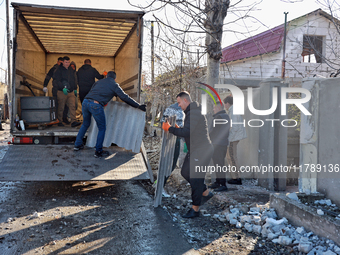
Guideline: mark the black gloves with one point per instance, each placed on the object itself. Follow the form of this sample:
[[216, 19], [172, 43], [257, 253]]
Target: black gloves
[[142, 107]]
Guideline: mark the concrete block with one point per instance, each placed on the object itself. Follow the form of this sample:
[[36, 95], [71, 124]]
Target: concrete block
[[305, 247], [233, 221], [271, 236], [238, 225], [248, 227], [285, 240], [293, 196], [302, 215], [257, 229]]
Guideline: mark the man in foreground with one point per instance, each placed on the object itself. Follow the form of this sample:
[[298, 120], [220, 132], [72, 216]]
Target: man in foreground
[[200, 151], [93, 105]]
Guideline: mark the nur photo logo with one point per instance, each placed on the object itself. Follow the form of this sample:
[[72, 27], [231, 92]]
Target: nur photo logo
[[239, 103]]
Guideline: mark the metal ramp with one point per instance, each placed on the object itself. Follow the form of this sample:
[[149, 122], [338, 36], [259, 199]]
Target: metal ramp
[[62, 163]]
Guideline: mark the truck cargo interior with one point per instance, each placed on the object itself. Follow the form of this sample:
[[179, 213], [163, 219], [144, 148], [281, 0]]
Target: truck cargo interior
[[111, 39]]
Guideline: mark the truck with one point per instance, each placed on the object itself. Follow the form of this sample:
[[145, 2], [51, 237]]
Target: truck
[[113, 40]]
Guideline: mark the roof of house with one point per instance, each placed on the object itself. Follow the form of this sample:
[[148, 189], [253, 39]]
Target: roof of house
[[265, 42]]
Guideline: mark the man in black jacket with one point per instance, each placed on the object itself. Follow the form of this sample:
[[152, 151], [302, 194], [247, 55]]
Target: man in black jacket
[[219, 137], [86, 78], [93, 105], [66, 81], [48, 77], [200, 151]]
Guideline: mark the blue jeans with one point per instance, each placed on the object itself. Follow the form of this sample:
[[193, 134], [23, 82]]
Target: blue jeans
[[89, 108]]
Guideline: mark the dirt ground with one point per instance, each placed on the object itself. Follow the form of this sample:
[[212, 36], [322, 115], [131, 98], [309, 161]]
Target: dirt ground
[[207, 234], [104, 217]]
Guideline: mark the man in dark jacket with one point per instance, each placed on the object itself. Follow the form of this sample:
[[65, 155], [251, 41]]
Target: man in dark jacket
[[219, 137], [93, 105], [66, 81], [86, 78], [48, 77], [200, 151]]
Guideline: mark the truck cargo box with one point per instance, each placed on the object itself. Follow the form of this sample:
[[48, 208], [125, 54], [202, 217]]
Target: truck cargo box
[[112, 39]]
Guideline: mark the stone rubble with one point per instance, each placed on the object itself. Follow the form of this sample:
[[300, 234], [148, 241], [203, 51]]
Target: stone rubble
[[264, 222]]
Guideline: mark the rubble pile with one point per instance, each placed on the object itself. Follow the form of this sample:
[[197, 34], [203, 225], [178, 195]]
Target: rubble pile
[[325, 206], [263, 221]]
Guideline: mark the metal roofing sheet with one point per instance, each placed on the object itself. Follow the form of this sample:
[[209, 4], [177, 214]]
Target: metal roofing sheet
[[165, 161], [266, 42], [124, 127], [79, 31]]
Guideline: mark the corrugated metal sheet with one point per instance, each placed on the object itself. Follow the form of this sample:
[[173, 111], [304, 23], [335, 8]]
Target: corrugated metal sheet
[[124, 127], [79, 31], [165, 161], [266, 42]]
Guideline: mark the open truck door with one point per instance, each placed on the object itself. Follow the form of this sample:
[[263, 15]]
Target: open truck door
[[113, 41]]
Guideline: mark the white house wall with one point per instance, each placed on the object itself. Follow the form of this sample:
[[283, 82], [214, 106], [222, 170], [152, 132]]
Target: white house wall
[[269, 65]]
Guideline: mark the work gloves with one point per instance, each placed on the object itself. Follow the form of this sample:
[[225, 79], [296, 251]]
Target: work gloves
[[166, 125], [75, 92], [45, 89], [65, 91], [142, 107]]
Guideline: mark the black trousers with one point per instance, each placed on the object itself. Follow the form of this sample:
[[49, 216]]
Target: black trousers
[[218, 159], [192, 163], [83, 93]]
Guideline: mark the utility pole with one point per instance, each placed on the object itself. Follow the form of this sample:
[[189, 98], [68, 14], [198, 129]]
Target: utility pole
[[284, 49], [8, 46], [152, 56]]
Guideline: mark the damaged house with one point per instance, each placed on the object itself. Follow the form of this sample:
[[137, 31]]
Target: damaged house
[[312, 49]]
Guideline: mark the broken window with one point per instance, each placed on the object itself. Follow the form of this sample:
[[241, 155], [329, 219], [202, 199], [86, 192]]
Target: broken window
[[312, 49]]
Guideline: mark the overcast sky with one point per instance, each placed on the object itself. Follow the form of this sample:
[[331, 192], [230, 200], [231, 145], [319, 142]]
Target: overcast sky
[[270, 13]]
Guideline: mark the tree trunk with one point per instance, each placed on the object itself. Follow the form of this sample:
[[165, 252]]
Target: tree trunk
[[216, 12]]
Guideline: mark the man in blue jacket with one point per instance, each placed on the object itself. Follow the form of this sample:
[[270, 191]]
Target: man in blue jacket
[[93, 105]]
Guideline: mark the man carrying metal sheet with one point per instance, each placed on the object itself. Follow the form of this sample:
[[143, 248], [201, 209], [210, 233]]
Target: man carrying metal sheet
[[93, 105], [200, 151]]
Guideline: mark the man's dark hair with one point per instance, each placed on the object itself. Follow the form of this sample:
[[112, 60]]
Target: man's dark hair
[[87, 61], [66, 58], [228, 99], [220, 103], [111, 74], [184, 94], [61, 58]]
